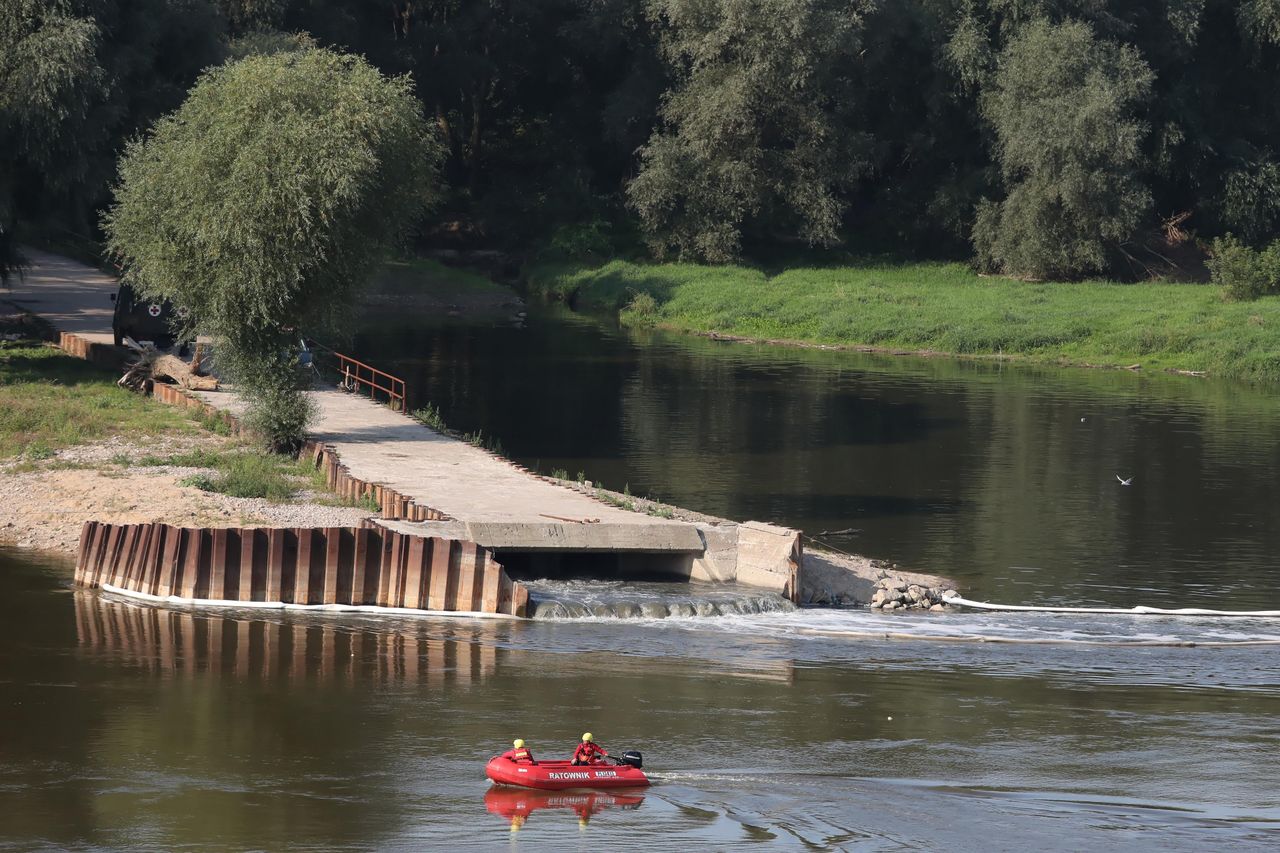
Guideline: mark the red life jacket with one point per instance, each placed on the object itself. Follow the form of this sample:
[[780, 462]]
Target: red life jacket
[[521, 755], [587, 751]]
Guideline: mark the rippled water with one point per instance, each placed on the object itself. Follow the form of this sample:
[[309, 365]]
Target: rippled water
[[617, 599], [134, 727]]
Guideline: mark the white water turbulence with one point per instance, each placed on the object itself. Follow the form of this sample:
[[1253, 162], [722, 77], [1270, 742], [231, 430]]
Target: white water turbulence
[[735, 609], [615, 599]]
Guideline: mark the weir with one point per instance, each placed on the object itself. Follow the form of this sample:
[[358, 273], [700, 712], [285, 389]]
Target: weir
[[434, 487]]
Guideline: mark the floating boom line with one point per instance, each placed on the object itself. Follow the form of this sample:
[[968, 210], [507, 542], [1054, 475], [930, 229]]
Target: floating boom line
[[1111, 611]]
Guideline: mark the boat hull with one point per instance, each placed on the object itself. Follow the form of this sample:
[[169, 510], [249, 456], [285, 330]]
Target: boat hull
[[563, 776]]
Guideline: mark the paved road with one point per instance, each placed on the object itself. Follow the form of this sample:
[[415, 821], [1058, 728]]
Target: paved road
[[497, 503], [73, 297]]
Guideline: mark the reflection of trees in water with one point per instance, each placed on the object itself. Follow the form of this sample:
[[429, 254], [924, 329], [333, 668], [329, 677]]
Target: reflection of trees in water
[[179, 643]]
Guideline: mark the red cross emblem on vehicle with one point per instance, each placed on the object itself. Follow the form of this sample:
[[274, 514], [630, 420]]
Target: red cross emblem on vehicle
[[153, 309]]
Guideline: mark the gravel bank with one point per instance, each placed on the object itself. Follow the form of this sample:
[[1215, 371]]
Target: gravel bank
[[44, 508]]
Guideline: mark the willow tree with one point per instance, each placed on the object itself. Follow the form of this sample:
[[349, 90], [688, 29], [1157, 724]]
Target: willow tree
[[1064, 106], [262, 205], [754, 133]]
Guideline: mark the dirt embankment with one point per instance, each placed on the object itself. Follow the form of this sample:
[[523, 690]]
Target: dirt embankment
[[44, 504]]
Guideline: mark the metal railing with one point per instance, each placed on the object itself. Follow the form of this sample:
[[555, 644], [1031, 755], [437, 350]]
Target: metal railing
[[357, 376]]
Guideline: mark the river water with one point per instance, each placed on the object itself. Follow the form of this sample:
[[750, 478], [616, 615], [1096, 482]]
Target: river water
[[129, 727]]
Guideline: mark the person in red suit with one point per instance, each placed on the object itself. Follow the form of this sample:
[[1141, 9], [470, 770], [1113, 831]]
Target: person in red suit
[[518, 753], [588, 752]]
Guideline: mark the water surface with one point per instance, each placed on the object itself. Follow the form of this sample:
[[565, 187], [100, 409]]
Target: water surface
[[1001, 476], [130, 727]]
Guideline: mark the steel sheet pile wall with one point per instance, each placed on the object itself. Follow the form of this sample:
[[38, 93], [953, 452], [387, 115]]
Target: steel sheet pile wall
[[332, 565], [391, 504]]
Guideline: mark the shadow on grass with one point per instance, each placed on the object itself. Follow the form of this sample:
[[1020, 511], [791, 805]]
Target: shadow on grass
[[33, 364]]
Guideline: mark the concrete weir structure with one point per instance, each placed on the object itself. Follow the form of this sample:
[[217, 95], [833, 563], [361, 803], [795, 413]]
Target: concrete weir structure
[[436, 487]]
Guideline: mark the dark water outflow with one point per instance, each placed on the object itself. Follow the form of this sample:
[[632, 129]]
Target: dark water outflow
[[1003, 477], [133, 727]]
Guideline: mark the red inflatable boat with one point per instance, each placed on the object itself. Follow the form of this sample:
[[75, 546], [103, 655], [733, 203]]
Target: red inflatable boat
[[561, 775]]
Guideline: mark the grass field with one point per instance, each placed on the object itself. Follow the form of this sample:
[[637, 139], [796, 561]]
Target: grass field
[[941, 308], [49, 400]]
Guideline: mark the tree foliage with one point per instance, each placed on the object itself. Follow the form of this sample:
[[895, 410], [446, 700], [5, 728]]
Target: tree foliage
[[261, 205], [718, 128], [1063, 106], [755, 131], [1245, 273]]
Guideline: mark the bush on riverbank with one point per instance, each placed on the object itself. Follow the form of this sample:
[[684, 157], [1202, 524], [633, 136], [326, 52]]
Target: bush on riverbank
[[943, 308]]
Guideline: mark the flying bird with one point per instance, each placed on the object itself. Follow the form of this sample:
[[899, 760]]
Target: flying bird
[[1123, 481]]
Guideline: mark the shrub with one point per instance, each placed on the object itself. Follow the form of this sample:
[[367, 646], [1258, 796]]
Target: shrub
[[581, 241], [643, 307], [279, 413], [1244, 273]]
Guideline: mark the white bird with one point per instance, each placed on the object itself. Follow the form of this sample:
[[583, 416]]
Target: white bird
[[1123, 481]]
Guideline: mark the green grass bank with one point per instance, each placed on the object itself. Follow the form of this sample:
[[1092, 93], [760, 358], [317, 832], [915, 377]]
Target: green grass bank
[[50, 400], [939, 308]]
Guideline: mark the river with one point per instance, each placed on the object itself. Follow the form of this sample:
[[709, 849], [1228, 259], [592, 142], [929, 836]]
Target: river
[[131, 727]]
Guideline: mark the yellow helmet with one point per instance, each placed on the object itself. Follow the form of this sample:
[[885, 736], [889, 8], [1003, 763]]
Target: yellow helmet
[[586, 738], [518, 743]]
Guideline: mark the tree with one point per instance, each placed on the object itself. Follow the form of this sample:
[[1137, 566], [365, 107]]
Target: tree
[[76, 78], [1063, 106], [49, 75], [753, 134], [261, 206]]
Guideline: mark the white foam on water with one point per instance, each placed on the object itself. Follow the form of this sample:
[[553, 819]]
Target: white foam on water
[[830, 624]]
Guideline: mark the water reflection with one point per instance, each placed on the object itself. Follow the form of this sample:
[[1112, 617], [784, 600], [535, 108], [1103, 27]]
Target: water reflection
[[180, 643], [516, 805]]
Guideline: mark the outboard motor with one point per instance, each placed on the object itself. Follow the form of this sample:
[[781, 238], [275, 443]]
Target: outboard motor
[[633, 758]]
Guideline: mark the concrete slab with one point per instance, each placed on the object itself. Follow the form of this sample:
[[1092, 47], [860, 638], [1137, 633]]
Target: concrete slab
[[498, 504]]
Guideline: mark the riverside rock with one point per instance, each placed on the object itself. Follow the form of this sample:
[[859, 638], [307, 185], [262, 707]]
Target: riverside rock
[[896, 594]]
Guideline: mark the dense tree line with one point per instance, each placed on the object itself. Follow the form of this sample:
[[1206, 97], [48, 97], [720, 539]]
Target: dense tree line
[[1049, 138]]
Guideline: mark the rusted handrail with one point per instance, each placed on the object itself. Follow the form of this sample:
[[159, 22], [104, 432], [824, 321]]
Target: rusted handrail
[[356, 374]]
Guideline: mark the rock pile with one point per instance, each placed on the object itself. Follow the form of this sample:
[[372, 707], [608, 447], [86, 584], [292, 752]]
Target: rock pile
[[897, 594]]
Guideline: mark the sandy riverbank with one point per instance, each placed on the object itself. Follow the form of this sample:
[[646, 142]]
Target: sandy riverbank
[[44, 504]]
